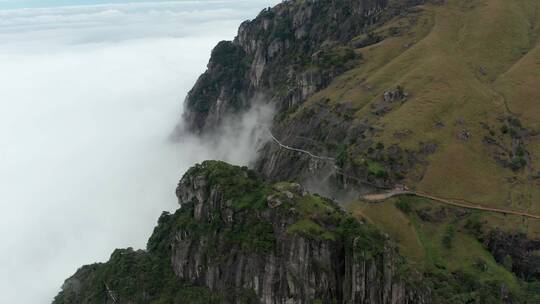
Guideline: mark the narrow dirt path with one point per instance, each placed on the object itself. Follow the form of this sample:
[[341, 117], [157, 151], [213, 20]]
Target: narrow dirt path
[[468, 205], [454, 202], [299, 150], [378, 197]]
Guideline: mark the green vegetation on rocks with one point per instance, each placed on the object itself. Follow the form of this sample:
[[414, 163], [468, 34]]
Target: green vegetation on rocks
[[132, 276], [249, 217]]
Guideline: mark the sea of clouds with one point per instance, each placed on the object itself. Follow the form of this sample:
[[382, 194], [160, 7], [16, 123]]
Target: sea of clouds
[[88, 97]]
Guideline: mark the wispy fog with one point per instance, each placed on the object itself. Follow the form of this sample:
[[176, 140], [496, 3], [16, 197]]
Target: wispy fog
[[88, 97]]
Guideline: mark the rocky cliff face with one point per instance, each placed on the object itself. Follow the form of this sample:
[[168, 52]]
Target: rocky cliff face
[[283, 56], [246, 241], [282, 244]]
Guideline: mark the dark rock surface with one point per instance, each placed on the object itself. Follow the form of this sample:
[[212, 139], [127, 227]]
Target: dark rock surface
[[516, 252]]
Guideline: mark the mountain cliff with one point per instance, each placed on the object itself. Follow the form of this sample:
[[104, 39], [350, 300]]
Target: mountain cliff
[[247, 241], [434, 97], [284, 55], [399, 91]]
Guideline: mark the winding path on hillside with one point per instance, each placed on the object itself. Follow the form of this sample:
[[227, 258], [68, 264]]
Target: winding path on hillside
[[379, 197], [454, 202], [299, 150]]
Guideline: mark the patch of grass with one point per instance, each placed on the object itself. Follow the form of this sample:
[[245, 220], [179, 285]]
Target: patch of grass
[[464, 271], [376, 169], [308, 228], [390, 220], [316, 207]]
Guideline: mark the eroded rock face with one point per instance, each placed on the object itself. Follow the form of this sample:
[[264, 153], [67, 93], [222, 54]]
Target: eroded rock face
[[295, 262], [286, 54]]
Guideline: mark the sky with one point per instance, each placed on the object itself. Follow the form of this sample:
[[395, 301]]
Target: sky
[[90, 91]]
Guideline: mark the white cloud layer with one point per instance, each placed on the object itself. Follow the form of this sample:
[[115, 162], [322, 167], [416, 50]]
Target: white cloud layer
[[25, 29], [88, 96]]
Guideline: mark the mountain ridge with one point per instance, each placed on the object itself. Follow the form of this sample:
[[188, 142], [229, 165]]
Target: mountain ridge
[[436, 97]]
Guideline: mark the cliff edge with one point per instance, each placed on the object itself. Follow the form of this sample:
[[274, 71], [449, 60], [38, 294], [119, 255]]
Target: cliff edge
[[238, 239]]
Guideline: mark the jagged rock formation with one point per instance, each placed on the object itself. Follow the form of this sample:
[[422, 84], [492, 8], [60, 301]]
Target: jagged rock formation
[[284, 56], [293, 255], [247, 241]]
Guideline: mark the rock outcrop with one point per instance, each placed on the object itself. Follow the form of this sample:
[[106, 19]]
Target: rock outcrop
[[293, 255], [284, 55], [232, 239]]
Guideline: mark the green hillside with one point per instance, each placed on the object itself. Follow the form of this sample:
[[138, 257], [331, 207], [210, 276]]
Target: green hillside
[[469, 67]]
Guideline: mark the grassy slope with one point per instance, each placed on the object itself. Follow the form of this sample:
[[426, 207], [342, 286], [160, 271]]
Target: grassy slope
[[422, 241], [396, 224], [463, 63]]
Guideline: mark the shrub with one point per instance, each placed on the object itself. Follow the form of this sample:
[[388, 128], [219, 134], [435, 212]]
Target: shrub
[[513, 133], [336, 58], [403, 205], [520, 151], [514, 122], [376, 169], [227, 54], [518, 162], [474, 226], [282, 29]]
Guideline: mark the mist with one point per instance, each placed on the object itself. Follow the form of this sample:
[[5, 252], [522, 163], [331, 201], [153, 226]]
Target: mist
[[88, 97]]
